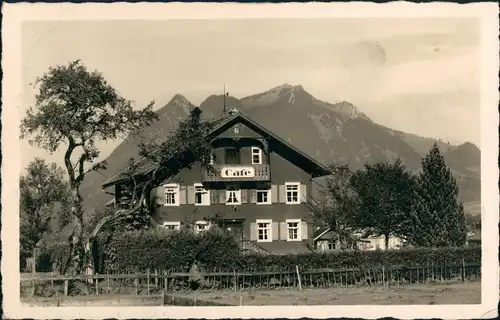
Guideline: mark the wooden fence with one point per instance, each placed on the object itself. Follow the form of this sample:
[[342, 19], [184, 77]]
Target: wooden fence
[[48, 284]]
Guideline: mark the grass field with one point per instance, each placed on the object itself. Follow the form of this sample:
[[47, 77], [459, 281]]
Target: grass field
[[461, 293], [426, 294]]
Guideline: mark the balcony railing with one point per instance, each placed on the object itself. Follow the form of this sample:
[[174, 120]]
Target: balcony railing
[[233, 172]]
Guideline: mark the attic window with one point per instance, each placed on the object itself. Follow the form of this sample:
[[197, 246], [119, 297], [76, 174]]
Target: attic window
[[256, 155]]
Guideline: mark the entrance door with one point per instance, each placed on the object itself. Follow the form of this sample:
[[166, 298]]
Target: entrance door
[[235, 227]]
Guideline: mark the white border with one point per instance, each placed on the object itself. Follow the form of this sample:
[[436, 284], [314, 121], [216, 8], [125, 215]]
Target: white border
[[15, 14]]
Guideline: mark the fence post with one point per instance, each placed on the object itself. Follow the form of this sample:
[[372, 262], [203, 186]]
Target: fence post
[[136, 281], [383, 275], [241, 299], [234, 272], [148, 280], [162, 303], [66, 285], [52, 281], [463, 270], [298, 277], [156, 279], [96, 286]]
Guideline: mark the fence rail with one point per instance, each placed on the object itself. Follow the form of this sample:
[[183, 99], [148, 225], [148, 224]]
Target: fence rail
[[48, 284]]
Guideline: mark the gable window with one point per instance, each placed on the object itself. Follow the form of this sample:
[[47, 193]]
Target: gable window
[[201, 226], [256, 155], [172, 225], [232, 156], [263, 196], [292, 192], [233, 197], [264, 231], [201, 195], [171, 194], [293, 230]]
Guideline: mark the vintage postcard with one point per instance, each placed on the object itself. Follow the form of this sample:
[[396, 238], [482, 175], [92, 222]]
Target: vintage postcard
[[250, 160]]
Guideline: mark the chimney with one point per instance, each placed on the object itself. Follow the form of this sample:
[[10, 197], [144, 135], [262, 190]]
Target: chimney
[[233, 111]]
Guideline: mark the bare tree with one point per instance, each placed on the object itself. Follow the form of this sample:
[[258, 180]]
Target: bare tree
[[335, 207]]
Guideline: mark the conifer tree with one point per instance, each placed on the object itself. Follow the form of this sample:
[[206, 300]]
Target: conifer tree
[[438, 216], [385, 192]]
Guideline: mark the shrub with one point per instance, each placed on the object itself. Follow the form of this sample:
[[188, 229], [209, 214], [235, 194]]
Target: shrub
[[217, 251], [52, 256], [138, 251]]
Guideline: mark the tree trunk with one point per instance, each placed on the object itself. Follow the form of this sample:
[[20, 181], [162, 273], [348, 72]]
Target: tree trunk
[[386, 241], [78, 254], [33, 266]]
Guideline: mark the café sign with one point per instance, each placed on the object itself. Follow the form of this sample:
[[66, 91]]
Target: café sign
[[237, 172]]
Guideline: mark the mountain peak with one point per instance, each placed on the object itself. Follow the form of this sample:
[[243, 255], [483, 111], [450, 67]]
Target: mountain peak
[[179, 98], [270, 96], [469, 145], [178, 101]]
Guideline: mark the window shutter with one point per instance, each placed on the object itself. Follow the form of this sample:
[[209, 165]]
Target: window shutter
[[182, 195], [275, 231], [303, 193], [253, 196], [190, 195], [214, 196], [244, 196], [283, 231], [253, 231], [274, 193], [161, 197], [222, 196], [282, 193], [303, 230]]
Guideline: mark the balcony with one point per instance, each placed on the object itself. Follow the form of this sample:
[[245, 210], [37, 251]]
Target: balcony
[[237, 172]]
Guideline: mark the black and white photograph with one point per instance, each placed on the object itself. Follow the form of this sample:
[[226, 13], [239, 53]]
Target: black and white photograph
[[250, 160]]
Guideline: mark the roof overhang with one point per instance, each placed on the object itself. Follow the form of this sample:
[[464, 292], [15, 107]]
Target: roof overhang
[[316, 169]]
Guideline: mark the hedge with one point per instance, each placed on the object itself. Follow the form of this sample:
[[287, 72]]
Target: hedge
[[214, 250]]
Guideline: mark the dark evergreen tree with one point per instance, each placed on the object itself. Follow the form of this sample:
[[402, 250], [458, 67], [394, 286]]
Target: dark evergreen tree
[[438, 216], [385, 192]]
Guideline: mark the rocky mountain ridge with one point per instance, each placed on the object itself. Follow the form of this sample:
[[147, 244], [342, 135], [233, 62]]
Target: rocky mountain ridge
[[330, 132]]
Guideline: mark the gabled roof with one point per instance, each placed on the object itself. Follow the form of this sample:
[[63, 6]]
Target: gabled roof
[[315, 167], [220, 125]]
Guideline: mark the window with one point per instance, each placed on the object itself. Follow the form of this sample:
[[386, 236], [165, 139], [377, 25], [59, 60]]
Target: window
[[233, 197], [292, 192], [232, 156], [293, 230], [201, 226], [263, 196], [172, 225], [201, 195], [264, 231], [172, 195], [331, 245], [256, 155]]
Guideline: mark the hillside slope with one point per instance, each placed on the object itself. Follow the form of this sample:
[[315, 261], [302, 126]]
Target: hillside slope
[[332, 133]]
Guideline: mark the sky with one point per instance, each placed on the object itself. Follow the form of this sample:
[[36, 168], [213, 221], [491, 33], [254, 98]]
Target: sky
[[418, 75]]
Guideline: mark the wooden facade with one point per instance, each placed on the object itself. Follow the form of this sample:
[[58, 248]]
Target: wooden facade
[[257, 184]]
